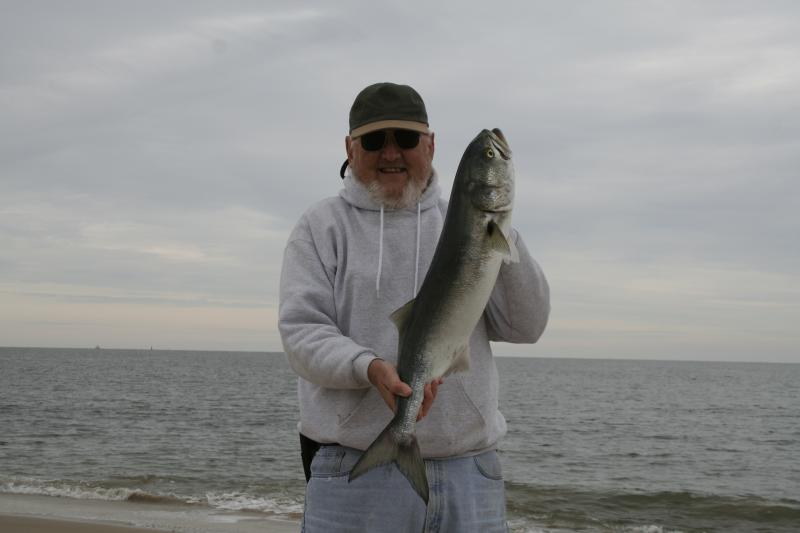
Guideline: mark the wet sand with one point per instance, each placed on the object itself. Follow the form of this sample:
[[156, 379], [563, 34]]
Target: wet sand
[[50, 514], [27, 524]]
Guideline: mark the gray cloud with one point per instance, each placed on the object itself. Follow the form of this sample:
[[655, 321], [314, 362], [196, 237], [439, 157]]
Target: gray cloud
[[154, 157]]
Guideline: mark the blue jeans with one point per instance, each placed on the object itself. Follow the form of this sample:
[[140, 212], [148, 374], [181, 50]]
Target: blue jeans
[[466, 495]]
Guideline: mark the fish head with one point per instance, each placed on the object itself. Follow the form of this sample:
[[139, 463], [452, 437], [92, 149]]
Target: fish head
[[487, 172]]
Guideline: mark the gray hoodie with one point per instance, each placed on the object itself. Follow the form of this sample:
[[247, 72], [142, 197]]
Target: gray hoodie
[[347, 266]]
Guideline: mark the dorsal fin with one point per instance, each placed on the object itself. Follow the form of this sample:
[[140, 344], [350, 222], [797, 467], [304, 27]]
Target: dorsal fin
[[502, 243], [401, 316]]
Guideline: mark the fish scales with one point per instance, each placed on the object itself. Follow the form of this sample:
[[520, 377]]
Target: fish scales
[[435, 327]]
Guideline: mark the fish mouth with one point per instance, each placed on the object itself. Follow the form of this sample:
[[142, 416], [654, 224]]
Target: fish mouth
[[500, 142]]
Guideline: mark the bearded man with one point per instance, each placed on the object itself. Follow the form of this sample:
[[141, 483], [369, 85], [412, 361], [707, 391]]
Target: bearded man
[[350, 262]]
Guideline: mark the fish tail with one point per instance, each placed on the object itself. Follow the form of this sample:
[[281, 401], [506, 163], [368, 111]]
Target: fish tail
[[406, 455]]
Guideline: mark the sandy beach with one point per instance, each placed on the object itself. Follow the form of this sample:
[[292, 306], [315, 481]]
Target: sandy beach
[[27, 524], [49, 514]]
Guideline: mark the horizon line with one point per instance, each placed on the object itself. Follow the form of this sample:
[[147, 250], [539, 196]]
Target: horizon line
[[497, 355]]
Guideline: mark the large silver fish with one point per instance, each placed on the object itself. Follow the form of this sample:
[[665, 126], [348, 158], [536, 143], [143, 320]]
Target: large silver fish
[[435, 327]]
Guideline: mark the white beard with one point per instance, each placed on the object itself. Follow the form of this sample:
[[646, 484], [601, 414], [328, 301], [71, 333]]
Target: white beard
[[410, 196]]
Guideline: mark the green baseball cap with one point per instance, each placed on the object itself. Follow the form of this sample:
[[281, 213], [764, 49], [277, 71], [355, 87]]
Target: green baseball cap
[[388, 105]]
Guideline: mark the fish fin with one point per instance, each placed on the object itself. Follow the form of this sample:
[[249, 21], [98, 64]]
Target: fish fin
[[514, 257], [406, 456], [409, 461], [401, 316], [460, 360], [502, 243]]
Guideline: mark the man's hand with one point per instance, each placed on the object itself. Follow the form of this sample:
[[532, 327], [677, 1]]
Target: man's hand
[[383, 377]]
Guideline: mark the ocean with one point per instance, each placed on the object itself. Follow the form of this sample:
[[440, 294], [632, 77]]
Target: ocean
[[593, 445]]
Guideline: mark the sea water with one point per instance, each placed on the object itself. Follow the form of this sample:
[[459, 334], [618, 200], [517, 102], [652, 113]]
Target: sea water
[[592, 445]]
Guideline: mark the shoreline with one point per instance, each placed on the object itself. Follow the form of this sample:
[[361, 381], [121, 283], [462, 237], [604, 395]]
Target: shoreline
[[56, 514], [36, 524]]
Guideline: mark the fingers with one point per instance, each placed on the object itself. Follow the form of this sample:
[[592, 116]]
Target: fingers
[[391, 381], [394, 387], [388, 397], [427, 399], [384, 377], [429, 394], [399, 388]]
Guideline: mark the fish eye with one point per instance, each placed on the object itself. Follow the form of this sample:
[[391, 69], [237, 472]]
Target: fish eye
[[489, 153]]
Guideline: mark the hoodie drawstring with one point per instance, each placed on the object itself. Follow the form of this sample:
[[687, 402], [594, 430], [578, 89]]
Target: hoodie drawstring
[[416, 258], [380, 258]]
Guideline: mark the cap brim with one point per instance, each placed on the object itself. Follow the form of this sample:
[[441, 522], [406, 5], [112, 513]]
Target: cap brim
[[390, 124]]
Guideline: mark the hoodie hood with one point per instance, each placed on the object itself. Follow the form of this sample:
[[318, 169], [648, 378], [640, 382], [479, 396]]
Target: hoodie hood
[[357, 195]]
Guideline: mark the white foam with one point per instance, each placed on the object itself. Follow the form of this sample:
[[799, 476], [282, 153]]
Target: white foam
[[65, 490], [241, 501], [221, 501], [651, 529], [522, 525]]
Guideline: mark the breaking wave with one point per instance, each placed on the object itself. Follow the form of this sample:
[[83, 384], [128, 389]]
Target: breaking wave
[[273, 504]]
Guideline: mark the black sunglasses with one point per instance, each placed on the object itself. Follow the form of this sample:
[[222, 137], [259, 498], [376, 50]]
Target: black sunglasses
[[375, 140]]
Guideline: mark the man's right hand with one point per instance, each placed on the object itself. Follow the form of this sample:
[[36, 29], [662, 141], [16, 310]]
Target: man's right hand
[[383, 377]]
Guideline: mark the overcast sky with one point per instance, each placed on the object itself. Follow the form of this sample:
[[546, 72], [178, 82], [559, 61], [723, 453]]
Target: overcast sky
[[155, 155]]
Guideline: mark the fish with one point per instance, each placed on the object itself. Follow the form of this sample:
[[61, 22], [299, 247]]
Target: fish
[[435, 327]]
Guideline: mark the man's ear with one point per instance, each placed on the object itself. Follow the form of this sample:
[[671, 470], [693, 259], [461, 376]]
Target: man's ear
[[348, 147]]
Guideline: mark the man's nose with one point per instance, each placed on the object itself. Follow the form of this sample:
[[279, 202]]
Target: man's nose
[[390, 149]]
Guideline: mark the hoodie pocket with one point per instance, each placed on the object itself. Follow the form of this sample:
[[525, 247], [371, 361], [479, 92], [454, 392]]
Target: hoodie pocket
[[365, 421], [359, 404], [469, 401], [480, 386]]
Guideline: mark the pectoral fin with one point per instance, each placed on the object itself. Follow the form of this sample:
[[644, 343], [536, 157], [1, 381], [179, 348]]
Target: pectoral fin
[[402, 315], [502, 243]]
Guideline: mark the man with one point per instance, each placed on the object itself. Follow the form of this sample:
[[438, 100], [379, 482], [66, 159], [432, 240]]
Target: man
[[350, 262]]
